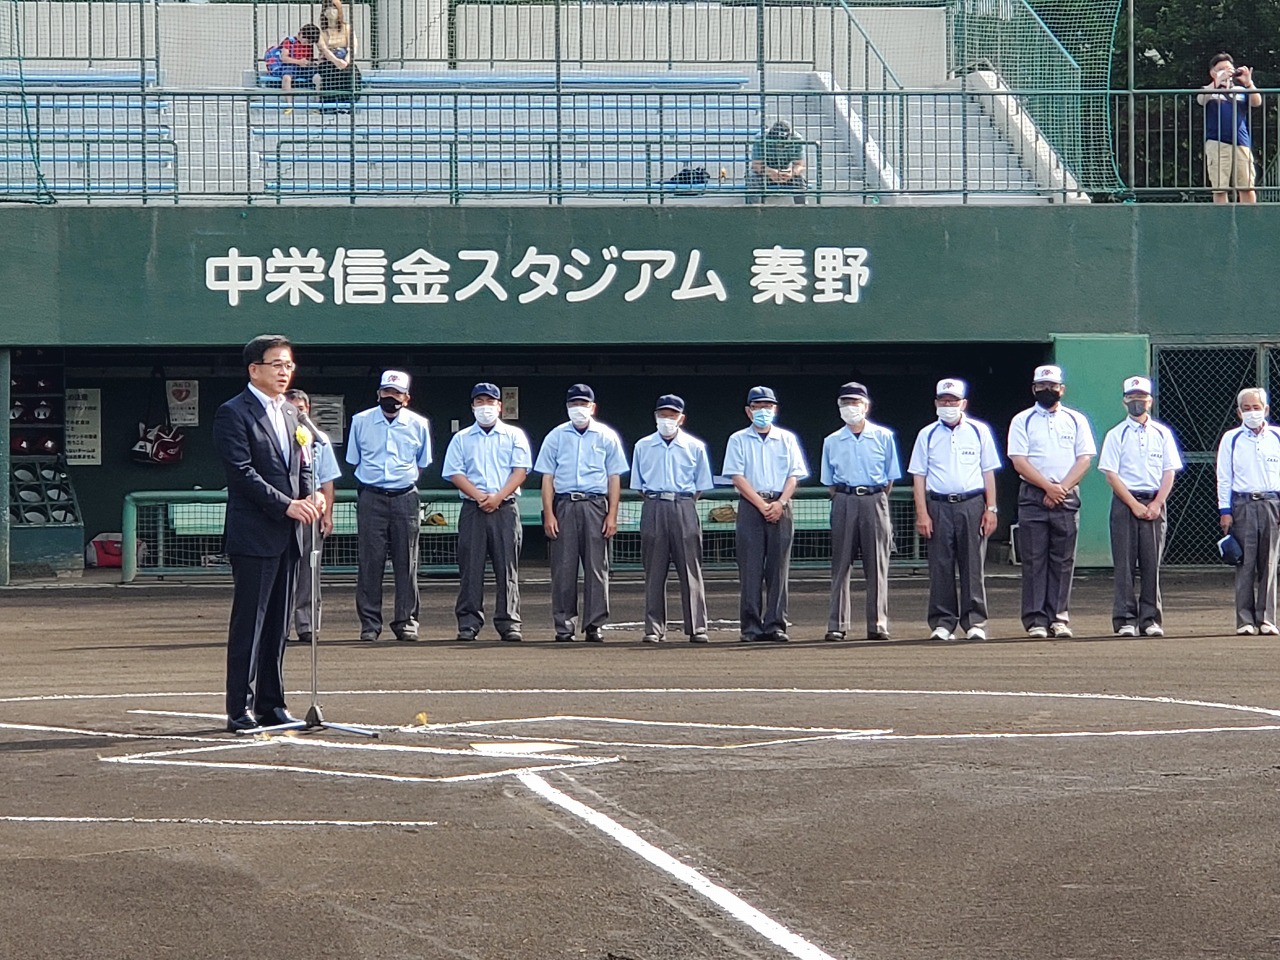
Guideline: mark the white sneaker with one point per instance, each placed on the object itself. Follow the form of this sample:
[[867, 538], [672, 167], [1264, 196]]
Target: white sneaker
[[975, 633], [1268, 629], [1154, 630], [1248, 630], [1060, 630], [1039, 633], [941, 633], [1128, 630]]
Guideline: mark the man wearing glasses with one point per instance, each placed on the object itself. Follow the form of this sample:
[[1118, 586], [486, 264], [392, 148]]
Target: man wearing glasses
[[269, 503]]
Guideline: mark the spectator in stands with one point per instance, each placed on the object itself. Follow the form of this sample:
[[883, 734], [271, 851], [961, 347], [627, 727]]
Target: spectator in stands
[[295, 57], [1228, 151], [338, 70], [777, 163]]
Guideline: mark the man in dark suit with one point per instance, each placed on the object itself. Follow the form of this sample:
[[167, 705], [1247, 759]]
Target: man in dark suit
[[268, 501]]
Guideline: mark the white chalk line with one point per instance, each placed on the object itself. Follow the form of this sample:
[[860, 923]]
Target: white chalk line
[[645, 745], [215, 822], [1064, 734], [673, 691], [729, 902]]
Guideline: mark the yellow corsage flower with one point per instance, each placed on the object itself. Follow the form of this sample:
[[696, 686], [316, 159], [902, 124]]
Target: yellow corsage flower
[[303, 436]]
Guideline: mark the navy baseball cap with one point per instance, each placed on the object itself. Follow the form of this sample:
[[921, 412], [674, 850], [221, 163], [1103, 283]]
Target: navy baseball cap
[[669, 401], [580, 391], [486, 390], [1230, 550], [759, 394], [853, 389]]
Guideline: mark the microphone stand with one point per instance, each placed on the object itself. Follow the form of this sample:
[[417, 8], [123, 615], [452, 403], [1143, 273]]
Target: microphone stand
[[315, 717]]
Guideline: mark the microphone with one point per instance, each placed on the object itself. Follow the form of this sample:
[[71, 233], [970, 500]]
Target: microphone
[[307, 422]]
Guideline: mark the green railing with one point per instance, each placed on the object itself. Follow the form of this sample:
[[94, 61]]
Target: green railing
[[178, 533]]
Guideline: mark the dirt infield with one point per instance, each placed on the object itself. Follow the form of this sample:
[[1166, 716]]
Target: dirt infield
[[864, 801]]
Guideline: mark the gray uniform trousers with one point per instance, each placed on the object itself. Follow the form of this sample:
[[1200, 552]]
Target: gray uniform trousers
[[957, 545], [1047, 553], [388, 523], [764, 565], [1255, 524], [483, 537], [670, 533], [860, 524], [581, 542], [302, 588], [1137, 547]]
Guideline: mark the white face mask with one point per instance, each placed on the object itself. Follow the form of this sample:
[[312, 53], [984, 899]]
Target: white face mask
[[1253, 419], [579, 416], [853, 414], [486, 415], [667, 426], [949, 414]]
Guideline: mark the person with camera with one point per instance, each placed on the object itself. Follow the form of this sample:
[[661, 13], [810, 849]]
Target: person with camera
[[1228, 149]]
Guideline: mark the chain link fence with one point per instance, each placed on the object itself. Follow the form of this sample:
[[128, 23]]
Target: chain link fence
[[1196, 388]]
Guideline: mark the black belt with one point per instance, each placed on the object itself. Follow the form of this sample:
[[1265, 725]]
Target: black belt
[[1246, 495], [666, 495], [388, 493], [768, 496], [1143, 494], [510, 499], [955, 497], [860, 491], [580, 496]]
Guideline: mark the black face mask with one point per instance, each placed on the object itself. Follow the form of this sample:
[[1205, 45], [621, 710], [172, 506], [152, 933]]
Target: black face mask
[[1045, 397], [390, 405], [1136, 408]]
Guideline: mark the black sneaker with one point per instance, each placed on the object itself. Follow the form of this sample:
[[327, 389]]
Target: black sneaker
[[465, 635], [594, 635], [564, 638], [512, 636], [834, 635], [779, 637]]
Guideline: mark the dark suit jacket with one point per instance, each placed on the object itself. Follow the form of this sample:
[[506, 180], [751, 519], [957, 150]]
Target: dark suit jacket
[[260, 483]]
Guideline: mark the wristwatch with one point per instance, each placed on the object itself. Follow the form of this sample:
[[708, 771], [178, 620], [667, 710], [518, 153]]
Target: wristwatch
[[993, 509]]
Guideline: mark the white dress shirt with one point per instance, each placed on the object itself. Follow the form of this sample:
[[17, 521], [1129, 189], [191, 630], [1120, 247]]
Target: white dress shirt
[[1248, 462], [1051, 440], [275, 413], [1140, 454]]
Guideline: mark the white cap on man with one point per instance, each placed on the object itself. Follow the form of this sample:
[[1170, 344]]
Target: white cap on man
[[951, 387], [1137, 385], [1048, 373], [396, 380]]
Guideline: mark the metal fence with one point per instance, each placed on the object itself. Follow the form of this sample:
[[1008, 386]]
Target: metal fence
[[1196, 388], [179, 532]]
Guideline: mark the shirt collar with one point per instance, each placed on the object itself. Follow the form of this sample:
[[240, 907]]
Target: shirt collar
[[497, 427], [267, 402]]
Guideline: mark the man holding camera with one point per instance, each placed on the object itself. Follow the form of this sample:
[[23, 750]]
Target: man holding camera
[[1228, 150]]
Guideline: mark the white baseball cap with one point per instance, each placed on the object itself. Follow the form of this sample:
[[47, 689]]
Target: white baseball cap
[[951, 387], [1048, 373], [1137, 385], [395, 379]]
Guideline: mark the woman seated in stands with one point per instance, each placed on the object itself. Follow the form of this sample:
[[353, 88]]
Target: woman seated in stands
[[337, 48]]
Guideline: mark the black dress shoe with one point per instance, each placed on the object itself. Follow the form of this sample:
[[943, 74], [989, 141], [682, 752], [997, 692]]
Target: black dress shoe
[[778, 637], [466, 635], [407, 637], [512, 636], [594, 635], [304, 638], [564, 638], [879, 635], [276, 717], [242, 724]]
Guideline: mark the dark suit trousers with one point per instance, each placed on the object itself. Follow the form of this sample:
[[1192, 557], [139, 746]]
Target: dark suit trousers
[[260, 610], [764, 567], [1047, 552]]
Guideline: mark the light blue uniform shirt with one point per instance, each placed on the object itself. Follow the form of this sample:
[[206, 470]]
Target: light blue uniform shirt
[[1139, 454], [389, 453], [681, 466], [327, 468], [866, 459], [487, 457], [1051, 440], [1248, 462], [766, 460], [953, 459], [582, 462]]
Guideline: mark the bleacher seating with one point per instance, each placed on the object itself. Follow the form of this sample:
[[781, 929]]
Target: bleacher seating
[[110, 143]]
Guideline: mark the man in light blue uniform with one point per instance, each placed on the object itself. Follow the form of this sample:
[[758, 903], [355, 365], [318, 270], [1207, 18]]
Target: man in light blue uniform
[[765, 463], [389, 446], [327, 471], [859, 465], [953, 467], [1050, 445], [581, 462], [1249, 509], [487, 462], [1139, 459], [670, 468]]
